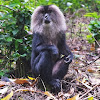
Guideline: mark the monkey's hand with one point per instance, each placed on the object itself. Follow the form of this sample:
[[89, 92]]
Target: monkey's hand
[[67, 59]]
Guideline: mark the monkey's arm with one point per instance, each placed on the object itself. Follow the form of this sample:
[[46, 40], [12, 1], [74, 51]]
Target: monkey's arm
[[64, 49], [39, 45]]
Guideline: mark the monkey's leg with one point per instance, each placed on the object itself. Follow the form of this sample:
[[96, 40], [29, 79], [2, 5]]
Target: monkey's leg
[[60, 69], [43, 66]]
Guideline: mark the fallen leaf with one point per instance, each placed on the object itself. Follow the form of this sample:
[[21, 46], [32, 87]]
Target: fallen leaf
[[4, 90], [94, 81], [83, 80], [8, 96], [29, 90], [91, 70], [34, 82], [92, 48], [31, 78], [2, 83], [90, 98], [49, 95], [22, 81], [74, 98], [24, 90]]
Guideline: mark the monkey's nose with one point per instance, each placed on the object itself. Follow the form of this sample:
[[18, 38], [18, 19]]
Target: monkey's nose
[[46, 19]]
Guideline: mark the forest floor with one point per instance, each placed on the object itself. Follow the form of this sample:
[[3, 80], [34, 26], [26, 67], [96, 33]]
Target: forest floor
[[82, 82]]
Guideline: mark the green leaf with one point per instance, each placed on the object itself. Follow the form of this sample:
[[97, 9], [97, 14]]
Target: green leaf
[[23, 55], [98, 22], [92, 22], [90, 27], [2, 73], [19, 40], [16, 44], [15, 31], [8, 39], [94, 15], [16, 56], [90, 38], [1, 60]]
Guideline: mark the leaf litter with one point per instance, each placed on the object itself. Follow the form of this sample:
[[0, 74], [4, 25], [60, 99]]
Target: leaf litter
[[82, 82]]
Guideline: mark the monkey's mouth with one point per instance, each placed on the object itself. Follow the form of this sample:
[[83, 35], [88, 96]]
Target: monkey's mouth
[[47, 21]]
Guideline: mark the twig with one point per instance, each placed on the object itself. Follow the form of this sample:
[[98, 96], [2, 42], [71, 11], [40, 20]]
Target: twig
[[61, 87], [96, 41], [7, 7], [43, 85], [87, 64], [93, 61], [87, 92]]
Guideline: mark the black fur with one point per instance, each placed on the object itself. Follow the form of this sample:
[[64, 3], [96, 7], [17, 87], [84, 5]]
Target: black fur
[[45, 59], [49, 43]]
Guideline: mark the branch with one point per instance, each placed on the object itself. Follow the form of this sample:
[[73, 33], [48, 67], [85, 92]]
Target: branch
[[94, 60], [96, 41], [88, 91], [7, 7], [87, 64]]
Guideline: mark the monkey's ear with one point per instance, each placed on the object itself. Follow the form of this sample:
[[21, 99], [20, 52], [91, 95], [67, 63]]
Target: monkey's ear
[[34, 17]]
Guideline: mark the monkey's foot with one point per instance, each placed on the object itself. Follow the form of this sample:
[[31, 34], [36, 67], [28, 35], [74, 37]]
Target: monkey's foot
[[56, 85]]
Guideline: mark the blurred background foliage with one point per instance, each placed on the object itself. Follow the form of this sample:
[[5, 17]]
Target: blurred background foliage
[[15, 40]]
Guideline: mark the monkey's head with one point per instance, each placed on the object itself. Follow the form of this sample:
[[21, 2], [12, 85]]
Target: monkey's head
[[47, 18]]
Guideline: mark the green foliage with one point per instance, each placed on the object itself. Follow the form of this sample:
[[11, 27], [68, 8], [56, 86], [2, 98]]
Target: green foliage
[[15, 43], [90, 38], [93, 15], [2, 72], [14, 39], [94, 27]]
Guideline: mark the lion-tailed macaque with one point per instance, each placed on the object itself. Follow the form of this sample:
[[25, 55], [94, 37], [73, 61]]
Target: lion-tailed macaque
[[49, 44]]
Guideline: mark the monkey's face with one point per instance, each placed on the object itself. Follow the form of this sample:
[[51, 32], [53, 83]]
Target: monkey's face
[[47, 16]]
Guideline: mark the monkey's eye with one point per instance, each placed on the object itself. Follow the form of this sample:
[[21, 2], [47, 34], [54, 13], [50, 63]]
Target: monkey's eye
[[42, 11], [49, 11]]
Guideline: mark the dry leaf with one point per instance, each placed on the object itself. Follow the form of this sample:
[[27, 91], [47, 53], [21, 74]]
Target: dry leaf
[[2, 83], [49, 95], [8, 96], [29, 90], [83, 80], [91, 70], [74, 98], [31, 78], [22, 81], [4, 90], [24, 90], [94, 81], [92, 48], [90, 98], [36, 80], [77, 62]]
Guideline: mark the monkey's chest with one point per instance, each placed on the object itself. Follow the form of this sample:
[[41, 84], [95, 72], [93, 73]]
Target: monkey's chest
[[50, 40]]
